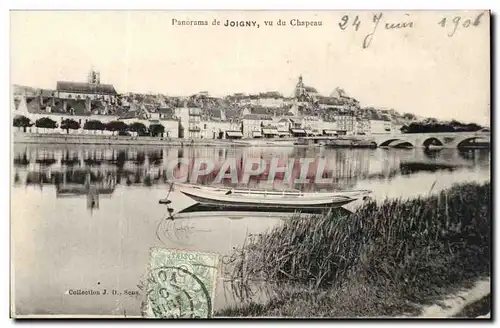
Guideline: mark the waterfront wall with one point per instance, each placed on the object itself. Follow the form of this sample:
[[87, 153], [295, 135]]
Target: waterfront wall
[[413, 140], [82, 139]]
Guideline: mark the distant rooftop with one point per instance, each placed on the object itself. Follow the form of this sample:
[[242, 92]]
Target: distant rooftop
[[257, 117], [83, 87], [311, 89], [39, 105]]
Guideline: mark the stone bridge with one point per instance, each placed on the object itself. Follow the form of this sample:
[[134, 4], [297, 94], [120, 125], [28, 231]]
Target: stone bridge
[[418, 140]]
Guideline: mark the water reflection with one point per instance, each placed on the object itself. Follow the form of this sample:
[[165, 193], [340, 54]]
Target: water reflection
[[93, 173], [329, 169], [21, 159], [122, 185], [478, 156], [432, 153]]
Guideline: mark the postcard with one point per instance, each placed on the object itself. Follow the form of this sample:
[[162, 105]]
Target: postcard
[[244, 164]]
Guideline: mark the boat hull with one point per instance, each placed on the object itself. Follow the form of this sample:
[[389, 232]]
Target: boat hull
[[222, 199], [216, 200], [204, 204], [198, 212], [265, 142], [296, 196]]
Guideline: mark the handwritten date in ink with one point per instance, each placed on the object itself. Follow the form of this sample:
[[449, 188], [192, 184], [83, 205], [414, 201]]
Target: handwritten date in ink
[[346, 21], [460, 22]]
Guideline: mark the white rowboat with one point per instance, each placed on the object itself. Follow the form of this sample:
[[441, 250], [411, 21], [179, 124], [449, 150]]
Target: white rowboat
[[228, 199]]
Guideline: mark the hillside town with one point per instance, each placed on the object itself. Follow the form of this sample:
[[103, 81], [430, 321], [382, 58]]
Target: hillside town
[[91, 105]]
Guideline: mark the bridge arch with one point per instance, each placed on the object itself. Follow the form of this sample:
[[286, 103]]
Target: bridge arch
[[473, 141], [432, 141], [401, 144], [387, 142], [396, 143]]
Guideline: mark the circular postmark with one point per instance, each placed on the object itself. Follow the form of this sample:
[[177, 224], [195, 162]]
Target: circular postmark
[[176, 292], [176, 231]]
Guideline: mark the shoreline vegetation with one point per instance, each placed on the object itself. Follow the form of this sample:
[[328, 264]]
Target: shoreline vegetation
[[483, 306], [387, 259]]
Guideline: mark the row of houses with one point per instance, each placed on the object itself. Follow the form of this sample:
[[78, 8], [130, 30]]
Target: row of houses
[[257, 126], [84, 110], [188, 122], [268, 115]]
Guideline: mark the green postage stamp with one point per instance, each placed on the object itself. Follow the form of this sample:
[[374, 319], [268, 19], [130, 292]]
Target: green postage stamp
[[180, 284]]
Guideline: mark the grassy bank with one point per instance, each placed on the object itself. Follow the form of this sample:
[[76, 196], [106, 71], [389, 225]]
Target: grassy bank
[[481, 307], [386, 259]]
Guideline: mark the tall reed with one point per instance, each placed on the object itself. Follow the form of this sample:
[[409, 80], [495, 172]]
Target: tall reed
[[417, 247]]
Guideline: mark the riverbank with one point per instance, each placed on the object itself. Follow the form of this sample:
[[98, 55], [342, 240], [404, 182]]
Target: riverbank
[[95, 139], [387, 259], [89, 139], [105, 139], [481, 307]]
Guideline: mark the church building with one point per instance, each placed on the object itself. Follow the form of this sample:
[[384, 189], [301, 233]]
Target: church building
[[92, 89]]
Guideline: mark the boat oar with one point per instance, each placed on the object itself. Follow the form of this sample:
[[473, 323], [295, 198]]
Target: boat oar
[[171, 187], [167, 201], [170, 210]]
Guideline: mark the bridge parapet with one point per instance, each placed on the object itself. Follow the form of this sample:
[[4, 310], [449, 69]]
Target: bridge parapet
[[445, 139]]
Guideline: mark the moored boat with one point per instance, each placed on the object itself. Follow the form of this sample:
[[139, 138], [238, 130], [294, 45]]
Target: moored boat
[[228, 199], [350, 143], [264, 142]]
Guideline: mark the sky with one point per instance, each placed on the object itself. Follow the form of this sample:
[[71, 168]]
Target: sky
[[420, 70]]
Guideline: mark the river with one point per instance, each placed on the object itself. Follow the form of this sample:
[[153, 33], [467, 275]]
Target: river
[[63, 240]]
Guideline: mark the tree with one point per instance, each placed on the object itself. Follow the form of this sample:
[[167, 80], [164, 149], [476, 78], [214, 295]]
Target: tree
[[409, 116], [117, 126], [473, 127], [21, 121], [156, 129], [138, 127], [430, 120], [69, 124], [46, 123], [94, 125], [440, 127]]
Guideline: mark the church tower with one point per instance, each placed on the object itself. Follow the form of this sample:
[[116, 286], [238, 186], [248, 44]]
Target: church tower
[[93, 77], [300, 88]]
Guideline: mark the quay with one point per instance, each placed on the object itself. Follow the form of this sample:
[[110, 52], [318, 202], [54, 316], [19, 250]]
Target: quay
[[83, 139], [410, 140]]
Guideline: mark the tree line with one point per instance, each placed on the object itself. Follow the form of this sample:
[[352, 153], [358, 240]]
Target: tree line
[[92, 125], [434, 126]]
